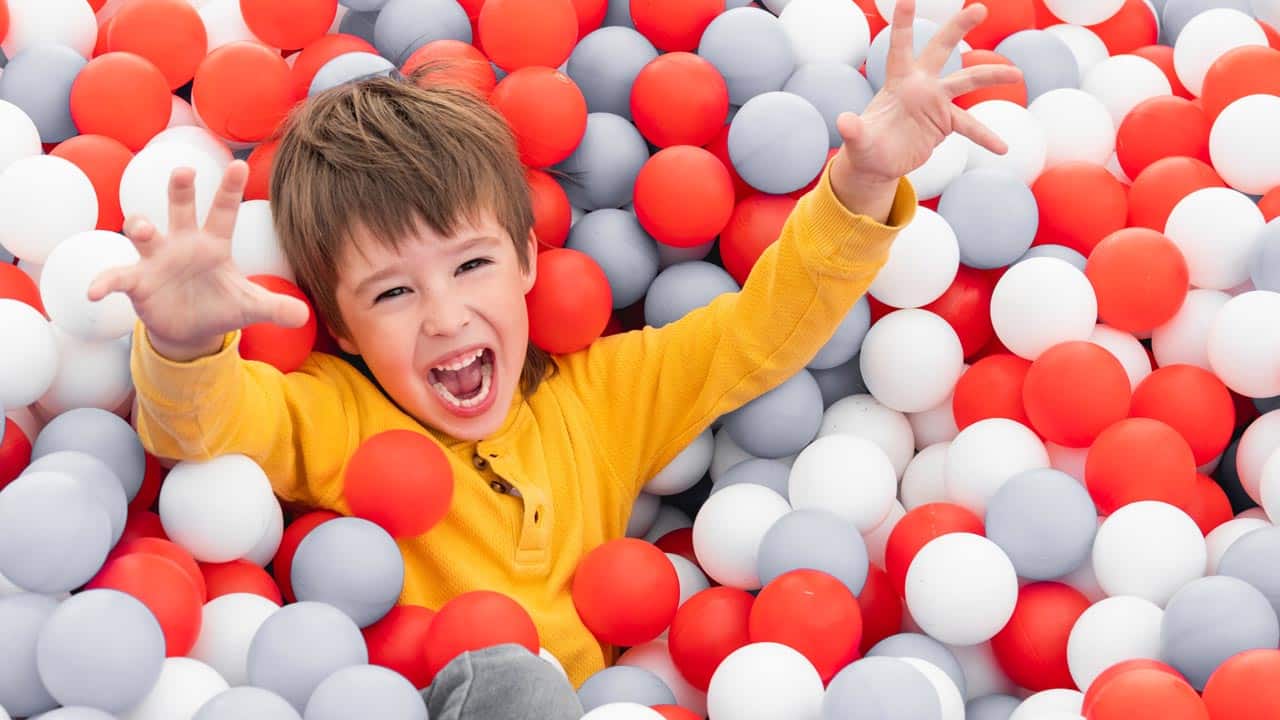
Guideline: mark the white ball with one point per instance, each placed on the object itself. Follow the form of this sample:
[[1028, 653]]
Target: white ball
[[961, 588], [224, 23], [228, 625], [180, 115], [670, 518], [1113, 167], [945, 164], [939, 11], [1085, 45], [43, 200], [19, 137], [948, 694], [1122, 82], [765, 681], [29, 364], [727, 454], [878, 538], [728, 530], [1221, 538], [656, 658], [184, 686], [265, 551], [90, 373], [1077, 127], [1184, 339], [1127, 349], [217, 509], [985, 455], [197, 137], [925, 481], [1047, 703], [1068, 460], [937, 424], [686, 469], [689, 576], [1041, 302], [1110, 631], [255, 247], [1084, 12], [1244, 344], [1028, 145], [826, 31], [922, 264], [57, 22], [1148, 549], [911, 360], [1207, 37], [821, 480], [145, 182], [1259, 440], [623, 711], [71, 269], [864, 416], [1243, 144]]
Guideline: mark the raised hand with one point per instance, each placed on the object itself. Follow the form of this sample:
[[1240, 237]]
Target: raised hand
[[186, 289]]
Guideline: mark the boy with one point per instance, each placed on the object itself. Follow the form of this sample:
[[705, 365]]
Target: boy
[[405, 217]]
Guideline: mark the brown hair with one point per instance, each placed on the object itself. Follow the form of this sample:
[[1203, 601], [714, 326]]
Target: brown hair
[[386, 153]]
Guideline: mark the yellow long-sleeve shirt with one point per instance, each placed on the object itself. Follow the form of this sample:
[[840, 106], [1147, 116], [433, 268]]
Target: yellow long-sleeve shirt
[[579, 450]]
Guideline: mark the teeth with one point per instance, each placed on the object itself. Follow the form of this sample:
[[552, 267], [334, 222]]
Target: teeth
[[486, 381], [461, 362]]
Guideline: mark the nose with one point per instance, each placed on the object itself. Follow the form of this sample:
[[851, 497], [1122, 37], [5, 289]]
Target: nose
[[444, 314]]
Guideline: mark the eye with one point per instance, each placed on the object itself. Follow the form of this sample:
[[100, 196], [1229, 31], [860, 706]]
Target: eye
[[474, 264], [393, 292]]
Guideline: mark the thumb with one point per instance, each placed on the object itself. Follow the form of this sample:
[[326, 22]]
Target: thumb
[[852, 130], [286, 311]]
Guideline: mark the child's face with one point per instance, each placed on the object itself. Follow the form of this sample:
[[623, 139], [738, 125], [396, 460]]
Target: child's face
[[441, 323]]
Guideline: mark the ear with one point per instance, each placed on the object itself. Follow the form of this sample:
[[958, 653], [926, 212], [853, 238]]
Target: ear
[[531, 276], [346, 345]]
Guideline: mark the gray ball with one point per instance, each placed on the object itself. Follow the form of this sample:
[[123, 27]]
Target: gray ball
[[360, 23], [922, 647], [300, 645], [814, 540], [54, 536], [100, 648], [353, 565], [601, 172], [618, 14], [751, 50], [346, 68], [923, 31], [778, 142], [369, 691], [38, 80], [623, 250], [76, 713], [403, 26], [833, 88], [247, 702], [1045, 521], [624, 683], [1211, 619], [604, 65], [991, 707], [1177, 13], [102, 434], [364, 5], [994, 215], [847, 340], [1046, 61], [780, 422], [683, 288], [1061, 252], [97, 478], [1264, 269], [772, 474], [1252, 559], [840, 382], [669, 255], [881, 688], [21, 618]]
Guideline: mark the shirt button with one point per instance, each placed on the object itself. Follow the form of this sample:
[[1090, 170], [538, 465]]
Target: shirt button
[[497, 487], [479, 462]]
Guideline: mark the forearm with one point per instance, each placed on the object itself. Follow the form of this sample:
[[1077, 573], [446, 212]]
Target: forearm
[[862, 196]]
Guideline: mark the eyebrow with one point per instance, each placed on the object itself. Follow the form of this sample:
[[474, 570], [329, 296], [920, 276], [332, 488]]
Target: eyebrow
[[387, 271]]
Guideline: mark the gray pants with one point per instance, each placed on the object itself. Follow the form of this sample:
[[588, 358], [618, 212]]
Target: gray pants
[[505, 682]]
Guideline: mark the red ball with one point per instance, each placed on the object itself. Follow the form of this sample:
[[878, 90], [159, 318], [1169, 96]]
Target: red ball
[[320, 51], [103, 161], [398, 641], [673, 25], [1161, 127], [4, 19], [142, 523], [1134, 26], [570, 302], [755, 224], [675, 712], [260, 161], [546, 111], [720, 148], [400, 480], [1270, 204], [991, 388], [524, 33], [16, 284], [239, 576], [1074, 391], [683, 196], [282, 565], [1004, 18], [881, 608], [966, 306], [1147, 693], [165, 549], [242, 91], [552, 214], [1014, 92], [1247, 685], [1120, 668], [1140, 278], [152, 478], [122, 96], [1032, 646], [289, 24], [679, 542], [170, 34], [474, 621], [1192, 401], [1060, 191], [813, 613], [1162, 185], [1139, 459], [283, 348], [591, 14], [679, 99], [1243, 71], [626, 592], [1209, 505], [1162, 56], [453, 62], [707, 628], [920, 525], [15, 451], [167, 591]]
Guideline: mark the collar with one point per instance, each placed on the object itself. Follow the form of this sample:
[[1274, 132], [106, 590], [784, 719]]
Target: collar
[[516, 413]]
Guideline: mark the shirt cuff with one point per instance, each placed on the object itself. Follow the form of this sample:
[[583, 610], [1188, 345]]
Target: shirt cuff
[[163, 380], [843, 241]]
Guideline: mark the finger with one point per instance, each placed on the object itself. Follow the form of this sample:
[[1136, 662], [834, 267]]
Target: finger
[[142, 234], [226, 201], [945, 41], [852, 131], [182, 200], [118, 279], [979, 77], [901, 40], [968, 126], [266, 306]]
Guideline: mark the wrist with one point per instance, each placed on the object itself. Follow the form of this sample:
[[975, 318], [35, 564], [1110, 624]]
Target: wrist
[[862, 194], [187, 350]]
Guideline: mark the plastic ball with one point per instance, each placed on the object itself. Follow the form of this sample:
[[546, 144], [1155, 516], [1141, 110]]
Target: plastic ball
[[1056, 191], [570, 301], [990, 388], [674, 26], [168, 33], [97, 480], [404, 26], [1221, 538], [623, 711], [351, 564], [165, 588], [1077, 127], [616, 571], [966, 207], [1132, 536], [1113, 631], [1045, 59], [1032, 647], [1122, 82], [242, 91], [401, 481], [605, 64], [827, 30], [793, 128], [1242, 151], [1184, 339], [184, 686], [924, 381], [1161, 127], [924, 648], [1259, 441], [365, 689], [1028, 144], [922, 262], [1246, 560], [56, 534], [239, 702], [624, 684], [144, 183], [833, 88], [1041, 302], [1148, 690], [682, 288], [1074, 391], [64, 282], [812, 612], [102, 160], [706, 629], [757, 471], [101, 434], [945, 164], [961, 588], [923, 30], [348, 67], [476, 620], [397, 639], [30, 368], [1243, 686], [1241, 346], [1194, 402], [300, 645], [817, 540], [239, 576], [61, 22], [38, 80], [1084, 44], [764, 681], [1044, 521], [752, 50], [986, 455], [1264, 271], [21, 139], [518, 35], [291, 24], [1208, 36], [1212, 619], [755, 224], [1132, 300], [1139, 459], [21, 618], [223, 529], [28, 229], [729, 529], [679, 99], [991, 707], [602, 170], [916, 529], [1089, 12], [1238, 73], [1053, 704]]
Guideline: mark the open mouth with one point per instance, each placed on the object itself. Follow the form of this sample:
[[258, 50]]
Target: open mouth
[[466, 382]]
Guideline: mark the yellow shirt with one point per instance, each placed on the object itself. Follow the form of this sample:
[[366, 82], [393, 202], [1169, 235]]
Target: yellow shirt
[[579, 450]]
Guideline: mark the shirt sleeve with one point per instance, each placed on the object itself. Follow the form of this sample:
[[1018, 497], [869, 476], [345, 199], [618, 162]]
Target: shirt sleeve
[[650, 392]]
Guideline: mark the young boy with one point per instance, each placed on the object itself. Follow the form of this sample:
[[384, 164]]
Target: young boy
[[405, 216]]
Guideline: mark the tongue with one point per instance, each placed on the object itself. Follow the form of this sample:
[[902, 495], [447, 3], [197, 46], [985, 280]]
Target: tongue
[[461, 383]]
